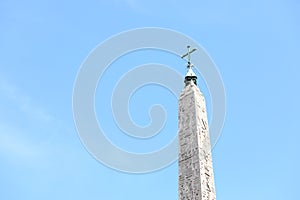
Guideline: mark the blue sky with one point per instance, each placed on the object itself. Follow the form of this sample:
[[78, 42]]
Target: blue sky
[[43, 43]]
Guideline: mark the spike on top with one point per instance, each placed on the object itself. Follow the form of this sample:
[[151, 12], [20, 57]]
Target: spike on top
[[190, 75]]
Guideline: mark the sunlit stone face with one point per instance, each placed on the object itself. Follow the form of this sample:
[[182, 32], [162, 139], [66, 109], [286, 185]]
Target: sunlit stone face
[[196, 179]]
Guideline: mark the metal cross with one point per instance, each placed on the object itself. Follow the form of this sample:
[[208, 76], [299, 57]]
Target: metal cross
[[188, 54]]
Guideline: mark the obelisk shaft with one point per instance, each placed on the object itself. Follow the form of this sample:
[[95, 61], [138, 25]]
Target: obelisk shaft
[[196, 178]]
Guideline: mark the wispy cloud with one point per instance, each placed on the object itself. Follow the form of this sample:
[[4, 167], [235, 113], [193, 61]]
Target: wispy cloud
[[23, 101], [18, 145], [15, 145]]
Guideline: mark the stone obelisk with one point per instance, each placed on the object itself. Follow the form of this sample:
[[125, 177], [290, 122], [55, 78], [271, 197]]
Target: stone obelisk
[[196, 177]]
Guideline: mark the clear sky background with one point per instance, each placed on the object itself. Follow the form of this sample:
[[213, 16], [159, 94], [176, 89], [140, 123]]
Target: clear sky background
[[255, 45]]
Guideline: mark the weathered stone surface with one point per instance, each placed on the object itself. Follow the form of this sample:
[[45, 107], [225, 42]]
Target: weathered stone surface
[[196, 178]]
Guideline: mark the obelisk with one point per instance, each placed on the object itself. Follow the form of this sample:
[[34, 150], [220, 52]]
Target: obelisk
[[196, 177]]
